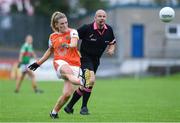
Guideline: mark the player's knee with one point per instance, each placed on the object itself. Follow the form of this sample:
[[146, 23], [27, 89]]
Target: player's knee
[[65, 76]]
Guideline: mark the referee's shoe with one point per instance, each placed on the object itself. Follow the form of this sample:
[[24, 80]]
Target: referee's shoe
[[84, 111], [68, 110]]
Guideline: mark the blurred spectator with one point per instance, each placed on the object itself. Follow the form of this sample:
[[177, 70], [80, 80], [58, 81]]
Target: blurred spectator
[[27, 6], [5, 6]]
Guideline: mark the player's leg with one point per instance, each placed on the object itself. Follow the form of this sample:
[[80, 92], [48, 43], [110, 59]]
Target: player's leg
[[87, 91], [34, 83], [86, 63], [67, 91], [78, 93], [32, 77], [76, 96], [19, 81], [86, 95], [20, 77], [67, 73], [64, 70]]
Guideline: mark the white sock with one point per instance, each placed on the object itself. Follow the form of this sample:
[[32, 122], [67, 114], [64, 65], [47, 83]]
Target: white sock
[[54, 112]]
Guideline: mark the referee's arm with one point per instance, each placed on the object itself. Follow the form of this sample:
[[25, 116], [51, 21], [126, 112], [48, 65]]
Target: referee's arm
[[111, 48]]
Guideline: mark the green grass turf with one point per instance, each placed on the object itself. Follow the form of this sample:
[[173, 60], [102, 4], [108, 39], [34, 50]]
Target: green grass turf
[[113, 100]]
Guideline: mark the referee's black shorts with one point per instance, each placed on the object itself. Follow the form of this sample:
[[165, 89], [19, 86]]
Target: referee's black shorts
[[90, 63]]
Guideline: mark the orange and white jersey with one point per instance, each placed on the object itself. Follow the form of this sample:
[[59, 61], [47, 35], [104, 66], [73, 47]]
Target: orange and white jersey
[[70, 55]]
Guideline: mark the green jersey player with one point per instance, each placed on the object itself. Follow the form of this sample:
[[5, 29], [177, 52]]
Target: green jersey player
[[26, 54]]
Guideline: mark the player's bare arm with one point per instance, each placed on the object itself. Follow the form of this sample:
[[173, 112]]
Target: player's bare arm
[[46, 55]]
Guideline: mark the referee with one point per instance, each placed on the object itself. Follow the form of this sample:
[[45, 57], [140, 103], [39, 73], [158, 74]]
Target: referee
[[95, 37]]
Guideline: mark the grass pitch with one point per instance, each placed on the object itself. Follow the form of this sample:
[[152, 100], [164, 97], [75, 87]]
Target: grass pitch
[[113, 100]]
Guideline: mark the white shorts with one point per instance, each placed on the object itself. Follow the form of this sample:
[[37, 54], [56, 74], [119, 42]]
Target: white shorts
[[24, 67], [76, 70]]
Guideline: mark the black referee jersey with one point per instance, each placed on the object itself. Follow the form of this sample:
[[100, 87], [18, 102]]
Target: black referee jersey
[[94, 40]]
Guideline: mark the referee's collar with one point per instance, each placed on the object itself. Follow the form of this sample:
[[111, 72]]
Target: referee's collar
[[95, 26]]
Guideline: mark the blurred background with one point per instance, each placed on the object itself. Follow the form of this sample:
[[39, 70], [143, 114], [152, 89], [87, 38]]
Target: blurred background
[[145, 45]]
